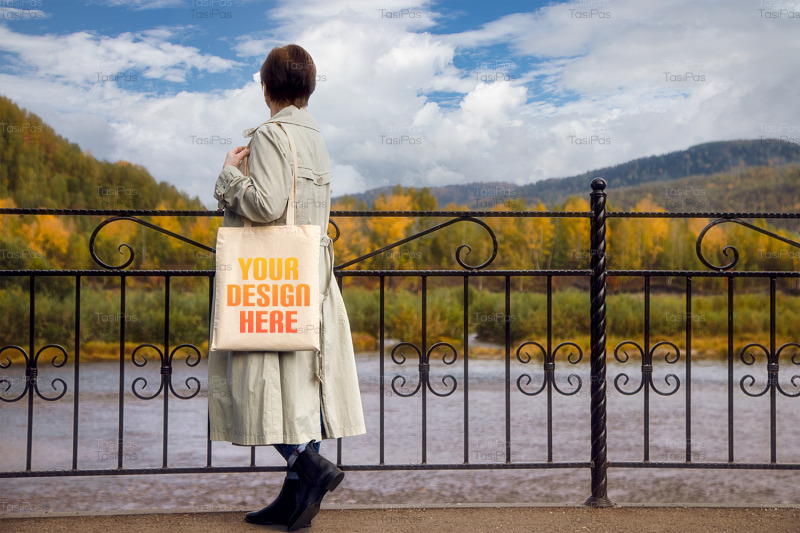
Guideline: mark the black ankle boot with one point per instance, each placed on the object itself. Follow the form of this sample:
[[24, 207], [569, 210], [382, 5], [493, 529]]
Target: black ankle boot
[[280, 510], [317, 476]]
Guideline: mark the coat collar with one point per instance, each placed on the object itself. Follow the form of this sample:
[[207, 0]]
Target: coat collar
[[288, 115]]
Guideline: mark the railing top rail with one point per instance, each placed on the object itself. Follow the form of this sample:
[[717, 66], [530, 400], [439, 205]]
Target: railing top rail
[[704, 214], [370, 213], [432, 273], [374, 213], [110, 212]]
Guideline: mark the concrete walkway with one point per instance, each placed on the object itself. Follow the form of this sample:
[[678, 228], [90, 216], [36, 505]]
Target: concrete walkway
[[474, 519]]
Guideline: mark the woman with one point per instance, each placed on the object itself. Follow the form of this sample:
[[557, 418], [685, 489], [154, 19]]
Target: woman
[[291, 400]]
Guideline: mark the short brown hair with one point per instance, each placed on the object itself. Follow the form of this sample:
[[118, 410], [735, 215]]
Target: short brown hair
[[289, 75]]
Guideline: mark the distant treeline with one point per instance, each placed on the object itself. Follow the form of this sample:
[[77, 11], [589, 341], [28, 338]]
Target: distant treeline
[[101, 319]]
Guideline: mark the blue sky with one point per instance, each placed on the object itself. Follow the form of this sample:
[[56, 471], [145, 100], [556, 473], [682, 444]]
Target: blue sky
[[419, 93]]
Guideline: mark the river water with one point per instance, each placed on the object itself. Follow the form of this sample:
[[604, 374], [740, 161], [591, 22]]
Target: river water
[[52, 448]]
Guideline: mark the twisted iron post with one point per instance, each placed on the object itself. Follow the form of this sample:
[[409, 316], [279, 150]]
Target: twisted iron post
[[599, 461]]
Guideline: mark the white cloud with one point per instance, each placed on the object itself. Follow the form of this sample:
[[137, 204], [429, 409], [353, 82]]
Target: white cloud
[[84, 58]]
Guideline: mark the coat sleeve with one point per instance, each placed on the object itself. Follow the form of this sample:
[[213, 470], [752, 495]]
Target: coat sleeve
[[262, 196]]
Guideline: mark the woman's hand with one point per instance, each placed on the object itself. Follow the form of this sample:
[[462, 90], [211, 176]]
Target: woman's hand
[[235, 156]]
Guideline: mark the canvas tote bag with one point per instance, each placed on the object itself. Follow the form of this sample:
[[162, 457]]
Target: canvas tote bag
[[267, 295]]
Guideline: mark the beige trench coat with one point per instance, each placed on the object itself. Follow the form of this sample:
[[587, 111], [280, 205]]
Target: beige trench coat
[[277, 397]]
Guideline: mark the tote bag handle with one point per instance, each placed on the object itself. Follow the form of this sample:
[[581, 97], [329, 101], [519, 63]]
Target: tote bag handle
[[290, 208]]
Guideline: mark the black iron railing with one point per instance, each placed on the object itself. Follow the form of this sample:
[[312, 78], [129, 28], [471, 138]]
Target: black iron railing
[[598, 463]]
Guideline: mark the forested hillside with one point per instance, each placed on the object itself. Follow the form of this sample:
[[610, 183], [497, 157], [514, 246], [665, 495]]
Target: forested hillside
[[40, 169], [724, 157]]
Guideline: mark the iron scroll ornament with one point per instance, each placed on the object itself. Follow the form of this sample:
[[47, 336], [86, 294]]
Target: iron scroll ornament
[[437, 227], [335, 227], [772, 369], [32, 373], [732, 249], [549, 367], [128, 246], [166, 372], [424, 369], [647, 368]]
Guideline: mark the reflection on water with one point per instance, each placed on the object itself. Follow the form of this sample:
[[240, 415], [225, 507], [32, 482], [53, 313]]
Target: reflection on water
[[485, 443]]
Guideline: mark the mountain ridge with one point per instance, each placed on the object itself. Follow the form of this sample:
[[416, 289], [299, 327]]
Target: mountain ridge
[[696, 161]]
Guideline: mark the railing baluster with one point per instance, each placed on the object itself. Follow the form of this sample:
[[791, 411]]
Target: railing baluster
[[423, 375], [166, 377], [339, 281], [121, 417], [646, 360], [31, 377], [507, 325], [549, 357], [208, 384], [730, 369], [689, 321], [773, 377], [466, 369], [382, 347], [77, 373]]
